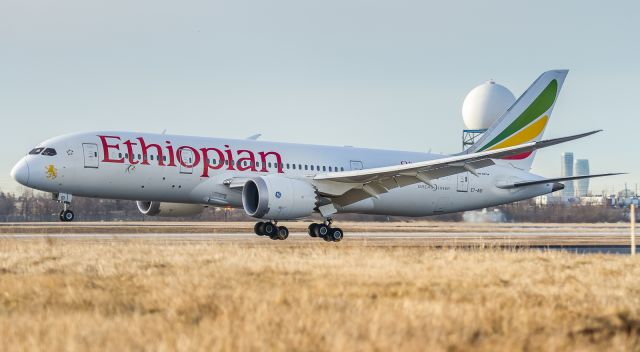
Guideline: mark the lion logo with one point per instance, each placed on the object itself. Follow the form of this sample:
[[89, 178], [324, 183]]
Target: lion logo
[[51, 172]]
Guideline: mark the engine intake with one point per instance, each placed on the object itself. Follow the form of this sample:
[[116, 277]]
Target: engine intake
[[278, 198]]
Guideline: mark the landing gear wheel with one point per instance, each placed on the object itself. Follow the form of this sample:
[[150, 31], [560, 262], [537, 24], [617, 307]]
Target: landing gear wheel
[[321, 230], [283, 233], [269, 229], [312, 230], [60, 215], [67, 215], [258, 228], [336, 234]]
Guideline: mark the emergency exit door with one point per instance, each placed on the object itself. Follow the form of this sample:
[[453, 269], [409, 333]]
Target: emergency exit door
[[187, 158], [463, 182], [356, 165], [90, 155]]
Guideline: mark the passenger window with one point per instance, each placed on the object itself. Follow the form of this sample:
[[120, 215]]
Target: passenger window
[[294, 166], [226, 162], [329, 168], [126, 155], [151, 157], [311, 167], [49, 152], [36, 151], [342, 169], [287, 166], [139, 157], [164, 157], [305, 167], [324, 168], [269, 164], [119, 155]]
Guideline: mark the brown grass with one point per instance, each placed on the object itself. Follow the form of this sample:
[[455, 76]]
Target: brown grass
[[162, 295]]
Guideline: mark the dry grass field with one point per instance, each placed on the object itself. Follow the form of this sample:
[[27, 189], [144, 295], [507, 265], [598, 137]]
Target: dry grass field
[[160, 295]]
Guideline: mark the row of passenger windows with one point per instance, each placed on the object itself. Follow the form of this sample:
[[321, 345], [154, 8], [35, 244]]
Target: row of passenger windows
[[288, 166]]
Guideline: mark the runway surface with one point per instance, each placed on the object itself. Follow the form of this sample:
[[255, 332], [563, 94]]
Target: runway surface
[[580, 238]]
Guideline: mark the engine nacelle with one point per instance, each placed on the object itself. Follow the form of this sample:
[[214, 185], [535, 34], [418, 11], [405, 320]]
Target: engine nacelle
[[278, 198], [168, 209]]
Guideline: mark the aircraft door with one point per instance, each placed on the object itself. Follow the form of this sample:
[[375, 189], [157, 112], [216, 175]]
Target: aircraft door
[[90, 155], [187, 158], [463, 182], [356, 165]]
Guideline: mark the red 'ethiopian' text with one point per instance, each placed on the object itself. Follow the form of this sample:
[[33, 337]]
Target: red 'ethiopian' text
[[169, 155]]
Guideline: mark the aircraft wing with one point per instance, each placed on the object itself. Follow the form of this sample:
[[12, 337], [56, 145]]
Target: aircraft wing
[[347, 187], [553, 180]]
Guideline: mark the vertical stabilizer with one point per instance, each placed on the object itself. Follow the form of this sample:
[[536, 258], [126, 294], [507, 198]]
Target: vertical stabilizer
[[526, 120]]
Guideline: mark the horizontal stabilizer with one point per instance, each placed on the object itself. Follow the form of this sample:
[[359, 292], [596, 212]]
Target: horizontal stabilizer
[[553, 180]]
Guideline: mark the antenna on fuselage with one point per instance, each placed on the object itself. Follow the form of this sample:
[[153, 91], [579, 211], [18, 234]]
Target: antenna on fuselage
[[164, 131], [254, 137]]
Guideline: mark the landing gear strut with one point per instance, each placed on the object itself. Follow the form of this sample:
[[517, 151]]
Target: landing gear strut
[[325, 231], [271, 229]]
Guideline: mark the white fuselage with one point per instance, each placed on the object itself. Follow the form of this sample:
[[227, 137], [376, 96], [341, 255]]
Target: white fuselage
[[114, 165]]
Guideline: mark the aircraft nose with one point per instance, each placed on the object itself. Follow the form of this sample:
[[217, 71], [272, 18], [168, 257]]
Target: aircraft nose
[[20, 172]]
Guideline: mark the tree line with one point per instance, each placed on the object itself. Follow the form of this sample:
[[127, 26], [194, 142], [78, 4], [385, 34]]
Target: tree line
[[38, 206]]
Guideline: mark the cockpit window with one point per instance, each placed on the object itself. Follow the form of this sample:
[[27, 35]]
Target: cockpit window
[[49, 152], [35, 151]]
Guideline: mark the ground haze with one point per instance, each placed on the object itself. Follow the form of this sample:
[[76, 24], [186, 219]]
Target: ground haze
[[154, 294]]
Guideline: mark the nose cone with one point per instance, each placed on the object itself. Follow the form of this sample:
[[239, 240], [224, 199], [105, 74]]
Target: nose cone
[[20, 172]]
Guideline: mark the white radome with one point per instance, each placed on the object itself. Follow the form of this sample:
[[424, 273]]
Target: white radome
[[485, 104]]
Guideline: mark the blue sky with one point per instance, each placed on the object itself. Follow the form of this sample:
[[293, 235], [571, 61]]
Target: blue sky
[[385, 74]]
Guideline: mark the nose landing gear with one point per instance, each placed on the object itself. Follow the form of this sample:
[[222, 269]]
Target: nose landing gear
[[65, 214]]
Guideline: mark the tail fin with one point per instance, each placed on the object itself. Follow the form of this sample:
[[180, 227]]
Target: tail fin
[[525, 121]]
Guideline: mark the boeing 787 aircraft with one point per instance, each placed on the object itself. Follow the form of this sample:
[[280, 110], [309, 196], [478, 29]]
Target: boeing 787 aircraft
[[172, 175]]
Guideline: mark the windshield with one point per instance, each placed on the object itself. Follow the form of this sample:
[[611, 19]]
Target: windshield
[[36, 151], [49, 152]]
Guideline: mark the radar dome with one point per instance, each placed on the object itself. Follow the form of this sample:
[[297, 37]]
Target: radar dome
[[485, 104]]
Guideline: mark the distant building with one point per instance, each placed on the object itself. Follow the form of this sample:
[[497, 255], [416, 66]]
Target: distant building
[[567, 171], [581, 168]]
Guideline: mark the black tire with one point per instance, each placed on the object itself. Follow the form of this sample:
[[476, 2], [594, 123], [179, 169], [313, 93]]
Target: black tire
[[60, 215], [68, 215], [283, 233], [269, 229], [258, 228], [312, 230], [336, 235], [322, 230]]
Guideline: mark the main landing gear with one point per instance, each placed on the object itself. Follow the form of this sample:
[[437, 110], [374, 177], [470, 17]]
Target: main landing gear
[[326, 232], [323, 230], [271, 229]]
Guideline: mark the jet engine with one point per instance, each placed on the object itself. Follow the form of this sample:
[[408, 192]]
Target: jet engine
[[168, 209], [278, 198]]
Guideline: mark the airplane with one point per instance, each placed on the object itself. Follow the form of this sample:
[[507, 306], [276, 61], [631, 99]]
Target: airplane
[[172, 175]]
